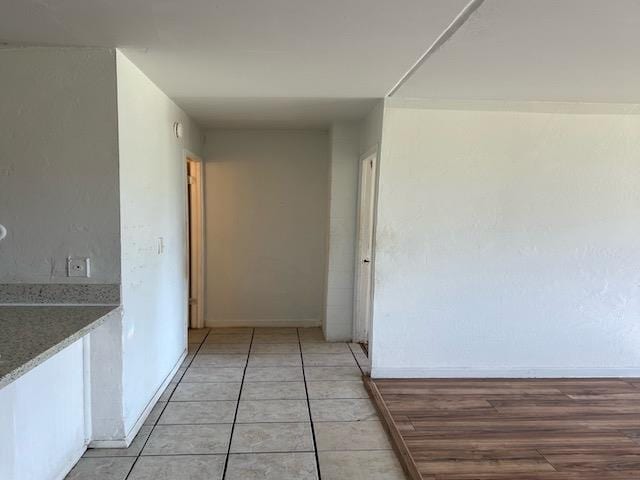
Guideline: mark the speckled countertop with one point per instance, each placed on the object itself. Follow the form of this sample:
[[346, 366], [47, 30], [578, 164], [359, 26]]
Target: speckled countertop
[[29, 335]]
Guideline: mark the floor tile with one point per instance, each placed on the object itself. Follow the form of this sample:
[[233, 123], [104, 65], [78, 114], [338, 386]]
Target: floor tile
[[272, 437], [276, 330], [182, 467], [193, 392], [225, 348], [154, 414], [346, 410], [134, 449], [325, 348], [198, 413], [166, 395], [343, 436], [373, 465], [328, 359], [332, 373], [259, 411], [311, 335], [275, 348], [273, 374], [187, 360], [213, 374], [220, 360], [337, 389], [229, 338], [178, 375], [273, 391], [363, 362], [275, 338], [114, 468], [197, 336], [272, 466], [188, 439], [193, 347], [274, 359], [230, 330]]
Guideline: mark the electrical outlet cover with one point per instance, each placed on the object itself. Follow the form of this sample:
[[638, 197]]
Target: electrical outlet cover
[[78, 267]]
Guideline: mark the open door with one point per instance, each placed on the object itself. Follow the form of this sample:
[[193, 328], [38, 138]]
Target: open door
[[195, 242], [364, 250]]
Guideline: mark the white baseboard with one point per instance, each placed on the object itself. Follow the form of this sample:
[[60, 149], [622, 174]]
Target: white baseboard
[[125, 442], [303, 323], [518, 372], [72, 463]]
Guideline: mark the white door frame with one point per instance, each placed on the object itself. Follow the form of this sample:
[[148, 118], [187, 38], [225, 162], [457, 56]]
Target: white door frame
[[363, 278], [195, 239]]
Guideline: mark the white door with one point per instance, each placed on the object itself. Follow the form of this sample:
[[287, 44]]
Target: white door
[[364, 249]]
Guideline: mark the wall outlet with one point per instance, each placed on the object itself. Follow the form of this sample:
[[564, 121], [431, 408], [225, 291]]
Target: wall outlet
[[78, 267]]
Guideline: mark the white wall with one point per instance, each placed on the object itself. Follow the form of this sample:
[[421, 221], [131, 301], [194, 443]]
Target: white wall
[[42, 427], [343, 193], [153, 206], [371, 128], [266, 224], [58, 164], [507, 244]]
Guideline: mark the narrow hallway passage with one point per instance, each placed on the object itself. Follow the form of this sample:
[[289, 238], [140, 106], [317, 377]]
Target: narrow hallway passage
[[257, 403]]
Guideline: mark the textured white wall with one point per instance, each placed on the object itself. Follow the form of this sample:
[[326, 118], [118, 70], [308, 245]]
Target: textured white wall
[[343, 193], [58, 164], [266, 224], [153, 206], [507, 244]]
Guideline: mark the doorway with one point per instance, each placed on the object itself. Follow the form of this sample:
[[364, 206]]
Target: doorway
[[364, 249], [195, 241]]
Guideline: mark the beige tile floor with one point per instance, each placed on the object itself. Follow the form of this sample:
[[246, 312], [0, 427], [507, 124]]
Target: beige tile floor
[[257, 403]]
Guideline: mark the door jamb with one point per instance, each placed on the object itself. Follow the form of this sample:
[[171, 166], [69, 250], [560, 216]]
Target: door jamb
[[361, 332], [195, 236]]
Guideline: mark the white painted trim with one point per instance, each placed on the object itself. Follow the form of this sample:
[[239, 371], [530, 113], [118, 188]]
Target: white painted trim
[[304, 323], [507, 372], [72, 463], [200, 241], [124, 443], [362, 326]]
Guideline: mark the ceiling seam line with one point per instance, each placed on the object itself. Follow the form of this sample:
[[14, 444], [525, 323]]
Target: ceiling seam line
[[446, 34]]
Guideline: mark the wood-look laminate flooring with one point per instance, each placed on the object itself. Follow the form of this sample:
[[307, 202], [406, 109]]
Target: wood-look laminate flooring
[[542, 429]]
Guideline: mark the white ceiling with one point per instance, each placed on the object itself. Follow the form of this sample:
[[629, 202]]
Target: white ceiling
[[304, 63], [548, 50], [216, 56]]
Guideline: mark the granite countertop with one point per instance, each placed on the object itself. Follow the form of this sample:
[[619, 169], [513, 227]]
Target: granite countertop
[[29, 335]]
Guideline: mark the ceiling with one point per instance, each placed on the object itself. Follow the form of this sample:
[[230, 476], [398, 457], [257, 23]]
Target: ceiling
[[538, 50], [305, 63]]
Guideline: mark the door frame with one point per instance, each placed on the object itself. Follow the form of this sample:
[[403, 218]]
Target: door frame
[[195, 244], [363, 301]]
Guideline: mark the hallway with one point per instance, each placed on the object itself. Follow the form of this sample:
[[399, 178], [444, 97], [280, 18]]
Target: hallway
[[257, 403]]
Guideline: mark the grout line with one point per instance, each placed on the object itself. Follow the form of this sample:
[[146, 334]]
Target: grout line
[[235, 416], [357, 362], [153, 427], [306, 390]]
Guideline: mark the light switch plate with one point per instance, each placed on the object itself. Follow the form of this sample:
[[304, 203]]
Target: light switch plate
[[78, 267]]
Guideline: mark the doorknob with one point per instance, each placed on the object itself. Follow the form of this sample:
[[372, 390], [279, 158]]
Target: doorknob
[[366, 260]]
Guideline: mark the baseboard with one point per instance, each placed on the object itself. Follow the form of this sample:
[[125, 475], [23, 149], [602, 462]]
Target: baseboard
[[76, 457], [304, 323], [543, 372], [124, 443]]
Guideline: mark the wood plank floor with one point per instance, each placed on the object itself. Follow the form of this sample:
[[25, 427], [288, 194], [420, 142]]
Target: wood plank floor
[[564, 429]]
